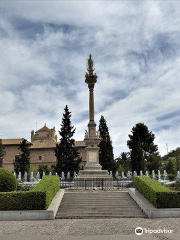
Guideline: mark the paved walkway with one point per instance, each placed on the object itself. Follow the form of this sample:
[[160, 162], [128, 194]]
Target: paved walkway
[[89, 229]]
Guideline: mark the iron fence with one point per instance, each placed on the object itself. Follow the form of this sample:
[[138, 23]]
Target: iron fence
[[96, 183]]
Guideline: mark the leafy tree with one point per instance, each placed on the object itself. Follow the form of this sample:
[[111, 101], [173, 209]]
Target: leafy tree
[[67, 156], [141, 145], [123, 162], [106, 156], [53, 169], [2, 153], [43, 168], [33, 169], [22, 162], [153, 162], [170, 166], [178, 163], [172, 154]]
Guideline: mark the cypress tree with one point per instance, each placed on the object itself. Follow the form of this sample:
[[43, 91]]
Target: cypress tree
[[22, 162], [106, 156], [2, 152], [142, 147], [67, 156]]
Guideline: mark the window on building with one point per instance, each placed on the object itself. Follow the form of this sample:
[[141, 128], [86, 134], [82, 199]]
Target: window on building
[[40, 158]]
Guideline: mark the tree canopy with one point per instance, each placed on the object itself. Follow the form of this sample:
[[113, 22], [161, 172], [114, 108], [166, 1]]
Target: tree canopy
[[174, 153], [123, 162], [142, 148]]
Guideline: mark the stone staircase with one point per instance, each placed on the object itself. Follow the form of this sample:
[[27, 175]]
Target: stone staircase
[[98, 204]]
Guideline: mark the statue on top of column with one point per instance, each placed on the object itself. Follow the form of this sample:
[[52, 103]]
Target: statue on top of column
[[90, 65], [90, 77]]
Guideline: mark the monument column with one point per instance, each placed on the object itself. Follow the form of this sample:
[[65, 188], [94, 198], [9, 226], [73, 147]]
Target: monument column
[[92, 169], [91, 79]]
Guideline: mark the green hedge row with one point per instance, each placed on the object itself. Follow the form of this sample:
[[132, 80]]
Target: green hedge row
[[39, 198], [159, 195], [22, 201], [49, 185]]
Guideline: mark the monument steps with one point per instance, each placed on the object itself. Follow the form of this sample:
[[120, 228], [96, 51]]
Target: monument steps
[[92, 206], [105, 211], [98, 204], [107, 203], [98, 216]]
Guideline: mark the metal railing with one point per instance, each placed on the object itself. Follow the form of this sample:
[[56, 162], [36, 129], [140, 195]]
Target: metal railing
[[96, 183]]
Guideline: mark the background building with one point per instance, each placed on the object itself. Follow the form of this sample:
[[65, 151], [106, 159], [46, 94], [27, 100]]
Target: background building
[[42, 145]]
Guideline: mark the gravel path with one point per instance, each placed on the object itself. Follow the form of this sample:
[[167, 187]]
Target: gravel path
[[56, 229]]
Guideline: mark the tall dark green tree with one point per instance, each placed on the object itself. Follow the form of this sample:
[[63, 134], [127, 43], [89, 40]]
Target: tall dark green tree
[[142, 147], [22, 162], [106, 156], [2, 152], [67, 156]]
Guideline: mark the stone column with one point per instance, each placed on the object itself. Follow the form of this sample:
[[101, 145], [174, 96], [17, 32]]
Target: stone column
[[92, 169], [91, 104]]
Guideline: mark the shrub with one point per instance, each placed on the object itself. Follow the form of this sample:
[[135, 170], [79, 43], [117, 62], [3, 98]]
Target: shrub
[[159, 195], [8, 182], [49, 185], [175, 186], [23, 201], [39, 198]]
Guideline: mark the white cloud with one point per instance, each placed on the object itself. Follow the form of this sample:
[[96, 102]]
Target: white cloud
[[44, 46]]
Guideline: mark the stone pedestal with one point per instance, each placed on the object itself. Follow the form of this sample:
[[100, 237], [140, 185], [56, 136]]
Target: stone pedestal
[[93, 176]]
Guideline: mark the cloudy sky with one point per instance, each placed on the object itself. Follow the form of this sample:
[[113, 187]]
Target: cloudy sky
[[44, 46]]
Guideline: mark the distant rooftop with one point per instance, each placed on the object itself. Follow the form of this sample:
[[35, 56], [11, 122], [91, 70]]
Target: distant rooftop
[[16, 141], [45, 128]]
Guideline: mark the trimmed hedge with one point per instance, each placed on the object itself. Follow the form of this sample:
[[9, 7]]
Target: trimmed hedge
[[8, 182], [159, 195], [22, 201], [49, 185], [39, 198]]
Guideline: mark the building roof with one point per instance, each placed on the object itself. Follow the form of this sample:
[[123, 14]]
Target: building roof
[[16, 141], [45, 128], [44, 145]]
